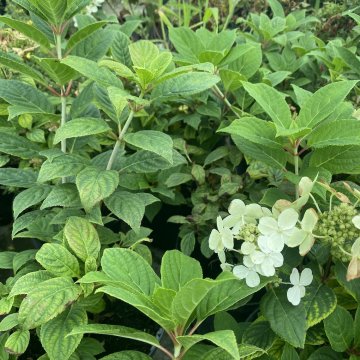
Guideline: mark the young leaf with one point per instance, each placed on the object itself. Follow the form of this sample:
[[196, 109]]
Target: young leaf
[[143, 53], [46, 301], [339, 329], [153, 141], [224, 339], [335, 133], [95, 185], [288, 321], [127, 266], [116, 330], [17, 342], [29, 197], [272, 102], [82, 238], [28, 30], [58, 260], [53, 334], [177, 270], [81, 127], [321, 104], [53, 11]]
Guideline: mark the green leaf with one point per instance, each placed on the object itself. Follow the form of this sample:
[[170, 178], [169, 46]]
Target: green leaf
[[255, 130], [288, 321], [289, 353], [227, 291], [95, 185], [53, 11], [130, 268], [81, 127], [259, 333], [224, 339], [116, 330], [18, 146], [178, 269], [29, 197], [185, 85], [357, 328], [339, 329], [82, 238], [177, 179], [325, 353], [21, 178], [60, 73], [74, 7], [17, 342], [53, 334], [65, 195], [6, 259], [337, 159], [272, 102], [276, 158], [9, 322], [143, 53], [16, 64], [119, 68], [27, 282], [321, 104], [91, 70], [83, 34], [63, 165], [120, 48], [153, 141], [24, 98], [338, 133], [127, 355], [352, 286], [320, 302], [46, 301], [58, 260], [28, 30], [128, 207]]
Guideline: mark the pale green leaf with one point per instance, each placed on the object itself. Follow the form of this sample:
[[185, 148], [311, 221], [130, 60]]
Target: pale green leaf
[[53, 11], [321, 104], [143, 53], [153, 141], [58, 260], [9, 322], [95, 185], [128, 267], [6, 259], [224, 339], [82, 238], [53, 334], [81, 127], [46, 301], [178, 269], [272, 102], [17, 342]]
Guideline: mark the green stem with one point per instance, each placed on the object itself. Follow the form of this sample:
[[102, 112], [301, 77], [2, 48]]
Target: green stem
[[121, 137], [296, 165]]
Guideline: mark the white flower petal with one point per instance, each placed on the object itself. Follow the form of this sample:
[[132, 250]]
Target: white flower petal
[[267, 267], [237, 207], [305, 186], [297, 237], [294, 295], [263, 244], [295, 277], [230, 221], [219, 223], [306, 277], [248, 262], [309, 220], [215, 242], [252, 279], [257, 257], [355, 249], [277, 259], [247, 248], [287, 219], [356, 221], [306, 245], [276, 243], [268, 225], [240, 271], [254, 211], [227, 238], [222, 257], [302, 290]]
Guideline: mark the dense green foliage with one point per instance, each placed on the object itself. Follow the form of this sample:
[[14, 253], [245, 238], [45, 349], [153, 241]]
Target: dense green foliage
[[226, 110]]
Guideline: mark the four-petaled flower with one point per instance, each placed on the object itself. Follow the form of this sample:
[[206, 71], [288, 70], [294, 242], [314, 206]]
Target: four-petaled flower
[[278, 231], [222, 238], [304, 237], [297, 291], [247, 272]]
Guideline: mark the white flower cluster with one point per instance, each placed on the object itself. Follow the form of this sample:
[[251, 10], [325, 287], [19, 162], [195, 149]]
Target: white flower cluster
[[262, 254], [93, 6]]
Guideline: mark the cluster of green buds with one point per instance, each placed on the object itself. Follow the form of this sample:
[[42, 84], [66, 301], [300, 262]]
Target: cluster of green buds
[[249, 232], [336, 228]]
